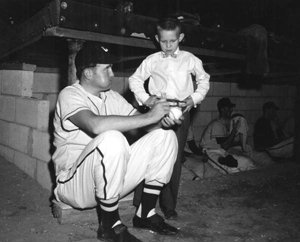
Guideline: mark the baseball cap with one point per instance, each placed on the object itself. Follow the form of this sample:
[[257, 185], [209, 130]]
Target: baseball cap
[[91, 55], [225, 102], [269, 105]]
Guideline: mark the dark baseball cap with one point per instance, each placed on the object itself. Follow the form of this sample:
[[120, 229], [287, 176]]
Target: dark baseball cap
[[225, 102], [269, 105], [91, 55]]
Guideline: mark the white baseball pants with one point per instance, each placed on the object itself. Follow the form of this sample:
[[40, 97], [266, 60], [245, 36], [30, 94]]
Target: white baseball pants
[[109, 167]]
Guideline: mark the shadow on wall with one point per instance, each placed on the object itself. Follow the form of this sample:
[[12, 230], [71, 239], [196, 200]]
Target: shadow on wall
[[52, 149]]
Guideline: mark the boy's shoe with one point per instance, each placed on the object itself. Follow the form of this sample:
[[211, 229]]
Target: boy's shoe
[[117, 234], [170, 214], [154, 223]]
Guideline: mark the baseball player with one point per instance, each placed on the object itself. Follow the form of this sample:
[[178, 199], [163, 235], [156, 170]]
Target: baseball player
[[94, 163], [218, 142]]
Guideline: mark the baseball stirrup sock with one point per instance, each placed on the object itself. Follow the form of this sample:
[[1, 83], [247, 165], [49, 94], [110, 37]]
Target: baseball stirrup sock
[[149, 198], [109, 213]]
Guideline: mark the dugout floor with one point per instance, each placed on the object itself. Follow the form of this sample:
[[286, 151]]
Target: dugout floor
[[259, 205]]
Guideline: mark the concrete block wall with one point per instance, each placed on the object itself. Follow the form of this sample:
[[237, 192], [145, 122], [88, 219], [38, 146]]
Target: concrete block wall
[[27, 102], [24, 124]]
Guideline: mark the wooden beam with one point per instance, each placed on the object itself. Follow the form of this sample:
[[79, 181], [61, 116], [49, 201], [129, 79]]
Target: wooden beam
[[29, 31], [132, 41]]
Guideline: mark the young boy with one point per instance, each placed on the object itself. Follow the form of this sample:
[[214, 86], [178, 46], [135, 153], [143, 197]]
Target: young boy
[[170, 73]]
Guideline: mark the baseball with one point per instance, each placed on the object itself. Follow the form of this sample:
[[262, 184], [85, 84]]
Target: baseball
[[175, 113]]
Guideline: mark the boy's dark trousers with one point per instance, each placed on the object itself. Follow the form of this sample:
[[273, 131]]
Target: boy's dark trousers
[[168, 196]]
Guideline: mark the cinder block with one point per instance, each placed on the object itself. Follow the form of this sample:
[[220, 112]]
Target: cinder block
[[243, 103], [19, 136], [33, 113], [209, 104], [214, 115], [253, 92], [118, 85], [257, 103], [7, 108], [270, 91], [283, 90], [292, 91], [39, 96], [221, 89], [52, 98], [41, 145], [43, 175], [237, 90], [18, 66], [26, 163], [7, 153], [46, 82], [289, 103], [18, 83], [201, 118], [4, 132], [253, 116], [67, 214]]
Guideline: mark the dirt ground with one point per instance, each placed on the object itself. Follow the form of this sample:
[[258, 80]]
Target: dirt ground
[[260, 205]]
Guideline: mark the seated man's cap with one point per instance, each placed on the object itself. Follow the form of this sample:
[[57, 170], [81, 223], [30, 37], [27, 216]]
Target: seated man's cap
[[225, 102], [91, 55], [269, 105]]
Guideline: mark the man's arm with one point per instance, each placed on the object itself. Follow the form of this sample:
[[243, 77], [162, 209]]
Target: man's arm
[[194, 148], [227, 142], [95, 124]]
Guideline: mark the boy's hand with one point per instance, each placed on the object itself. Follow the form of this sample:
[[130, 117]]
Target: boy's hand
[[150, 101], [187, 104]]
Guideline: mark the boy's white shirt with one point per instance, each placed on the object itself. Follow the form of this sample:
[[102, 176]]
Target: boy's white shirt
[[166, 77]]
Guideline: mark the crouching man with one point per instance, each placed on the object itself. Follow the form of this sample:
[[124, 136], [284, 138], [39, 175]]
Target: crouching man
[[94, 163]]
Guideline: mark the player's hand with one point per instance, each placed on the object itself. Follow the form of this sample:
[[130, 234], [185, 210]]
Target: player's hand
[[187, 104], [168, 122], [159, 110]]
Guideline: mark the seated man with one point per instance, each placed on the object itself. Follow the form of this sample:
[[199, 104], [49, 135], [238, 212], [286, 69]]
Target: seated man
[[218, 141], [269, 135], [195, 165], [94, 163]]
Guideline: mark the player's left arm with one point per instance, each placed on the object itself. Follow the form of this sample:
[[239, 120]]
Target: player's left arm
[[166, 122]]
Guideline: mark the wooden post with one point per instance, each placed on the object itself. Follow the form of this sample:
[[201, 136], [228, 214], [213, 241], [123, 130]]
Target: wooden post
[[296, 155], [74, 46]]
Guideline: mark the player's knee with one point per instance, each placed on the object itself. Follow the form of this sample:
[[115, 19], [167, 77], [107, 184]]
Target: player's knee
[[170, 138], [115, 141]]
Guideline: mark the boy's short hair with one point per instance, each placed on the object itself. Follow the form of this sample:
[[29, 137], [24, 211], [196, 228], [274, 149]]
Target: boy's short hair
[[168, 23]]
